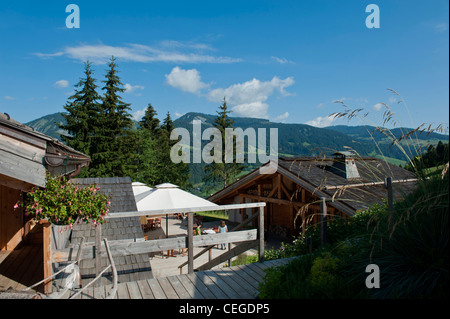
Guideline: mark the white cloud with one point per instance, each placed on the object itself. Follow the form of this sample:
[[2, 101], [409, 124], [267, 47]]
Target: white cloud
[[186, 80], [256, 109], [7, 97], [249, 98], [137, 116], [246, 99], [441, 27], [281, 60], [61, 84], [282, 117], [321, 121], [168, 51], [132, 88], [378, 106], [48, 55]]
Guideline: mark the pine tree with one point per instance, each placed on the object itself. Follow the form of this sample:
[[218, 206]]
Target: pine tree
[[167, 126], [223, 172], [82, 116], [155, 166], [149, 121], [113, 145], [176, 173]]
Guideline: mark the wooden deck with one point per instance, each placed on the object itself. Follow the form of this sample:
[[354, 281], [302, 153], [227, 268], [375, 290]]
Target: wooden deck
[[21, 268], [237, 282]]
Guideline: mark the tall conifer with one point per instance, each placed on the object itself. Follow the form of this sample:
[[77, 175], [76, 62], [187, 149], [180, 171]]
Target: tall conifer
[[149, 121], [82, 113], [224, 173], [113, 145]]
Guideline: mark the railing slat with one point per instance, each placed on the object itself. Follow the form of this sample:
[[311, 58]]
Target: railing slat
[[183, 210], [123, 248]]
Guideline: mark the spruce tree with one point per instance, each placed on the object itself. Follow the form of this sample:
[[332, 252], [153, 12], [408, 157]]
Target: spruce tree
[[176, 173], [155, 166], [113, 145], [82, 113], [167, 126], [149, 121], [224, 173]]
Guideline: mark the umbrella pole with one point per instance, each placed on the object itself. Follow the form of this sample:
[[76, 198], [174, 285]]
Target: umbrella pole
[[167, 226]]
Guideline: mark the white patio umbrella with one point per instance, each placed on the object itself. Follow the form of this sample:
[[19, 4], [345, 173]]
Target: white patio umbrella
[[165, 196]]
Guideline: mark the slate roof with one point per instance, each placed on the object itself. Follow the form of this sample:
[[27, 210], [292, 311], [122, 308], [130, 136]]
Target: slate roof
[[129, 268], [318, 176], [370, 189]]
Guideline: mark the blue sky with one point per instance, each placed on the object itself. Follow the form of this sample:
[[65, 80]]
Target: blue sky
[[287, 61]]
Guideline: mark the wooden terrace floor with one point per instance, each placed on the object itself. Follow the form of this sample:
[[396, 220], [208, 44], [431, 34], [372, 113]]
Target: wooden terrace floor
[[237, 282], [21, 268]]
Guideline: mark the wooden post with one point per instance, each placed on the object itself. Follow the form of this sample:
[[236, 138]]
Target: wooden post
[[47, 250], [309, 244], [190, 236], [323, 221], [98, 246], [390, 197], [261, 234]]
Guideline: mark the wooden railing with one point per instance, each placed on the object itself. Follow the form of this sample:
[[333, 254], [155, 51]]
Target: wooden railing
[[131, 247], [111, 265], [235, 229]]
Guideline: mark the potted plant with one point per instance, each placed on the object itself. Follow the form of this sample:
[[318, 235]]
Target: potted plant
[[63, 204]]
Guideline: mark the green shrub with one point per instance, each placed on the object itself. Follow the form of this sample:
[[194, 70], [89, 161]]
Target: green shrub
[[323, 276], [414, 260]]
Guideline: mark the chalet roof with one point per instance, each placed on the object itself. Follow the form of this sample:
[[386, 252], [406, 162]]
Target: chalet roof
[[28, 154], [349, 195], [122, 200]]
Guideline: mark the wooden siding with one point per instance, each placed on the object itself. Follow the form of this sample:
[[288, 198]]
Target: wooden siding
[[11, 220], [22, 161]]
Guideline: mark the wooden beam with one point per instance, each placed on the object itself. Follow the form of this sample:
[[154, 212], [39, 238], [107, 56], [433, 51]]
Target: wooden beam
[[274, 189], [283, 188], [279, 186], [238, 227], [47, 255], [15, 183], [234, 188], [330, 187], [323, 222], [239, 249], [124, 248], [22, 169], [277, 201], [98, 244], [157, 212]]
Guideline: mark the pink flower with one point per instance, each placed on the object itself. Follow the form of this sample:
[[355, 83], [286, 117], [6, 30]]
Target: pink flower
[[16, 206]]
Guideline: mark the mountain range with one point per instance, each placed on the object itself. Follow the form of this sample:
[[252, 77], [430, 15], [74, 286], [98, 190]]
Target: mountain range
[[298, 139]]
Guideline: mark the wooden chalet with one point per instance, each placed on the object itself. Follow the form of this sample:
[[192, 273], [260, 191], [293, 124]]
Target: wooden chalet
[[293, 193], [26, 156]]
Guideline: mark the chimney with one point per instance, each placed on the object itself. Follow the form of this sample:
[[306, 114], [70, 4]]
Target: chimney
[[345, 165]]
